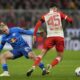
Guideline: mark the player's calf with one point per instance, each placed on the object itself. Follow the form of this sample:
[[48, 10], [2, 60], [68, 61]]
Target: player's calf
[[41, 65]]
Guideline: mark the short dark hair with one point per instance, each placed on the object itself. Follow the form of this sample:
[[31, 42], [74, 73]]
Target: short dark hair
[[52, 4]]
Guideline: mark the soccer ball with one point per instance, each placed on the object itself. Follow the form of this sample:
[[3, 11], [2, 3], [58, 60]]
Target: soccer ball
[[77, 71]]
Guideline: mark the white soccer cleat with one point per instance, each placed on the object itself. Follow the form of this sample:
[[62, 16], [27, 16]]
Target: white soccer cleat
[[48, 68], [5, 74]]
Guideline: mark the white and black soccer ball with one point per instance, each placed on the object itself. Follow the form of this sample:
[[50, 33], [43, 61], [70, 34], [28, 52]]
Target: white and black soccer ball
[[77, 71]]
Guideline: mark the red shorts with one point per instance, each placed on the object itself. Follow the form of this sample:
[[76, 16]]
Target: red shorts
[[57, 42]]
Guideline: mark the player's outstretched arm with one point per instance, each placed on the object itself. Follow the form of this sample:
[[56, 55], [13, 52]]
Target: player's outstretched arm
[[23, 31], [66, 17], [38, 24]]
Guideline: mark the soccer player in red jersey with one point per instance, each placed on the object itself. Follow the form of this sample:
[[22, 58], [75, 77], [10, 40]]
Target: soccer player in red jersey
[[55, 36]]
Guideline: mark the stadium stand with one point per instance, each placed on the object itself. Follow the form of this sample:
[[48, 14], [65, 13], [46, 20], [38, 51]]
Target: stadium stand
[[25, 13]]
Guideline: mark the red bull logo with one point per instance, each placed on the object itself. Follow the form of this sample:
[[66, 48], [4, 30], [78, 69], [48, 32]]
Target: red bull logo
[[13, 40]]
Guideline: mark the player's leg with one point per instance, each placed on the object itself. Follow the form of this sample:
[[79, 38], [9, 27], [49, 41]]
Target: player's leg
[[60, 49], [13, 54], [55, 61], [27, 52], [46, 47], [34, 57], [39, 58], [37, 63], [43, 52], [3, 59]]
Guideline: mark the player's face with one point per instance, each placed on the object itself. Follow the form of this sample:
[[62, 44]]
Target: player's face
[[54, 9], [4, 29]]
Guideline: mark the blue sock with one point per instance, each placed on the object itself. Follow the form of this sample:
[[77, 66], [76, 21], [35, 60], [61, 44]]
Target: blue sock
[[5, 67], [41, 65]]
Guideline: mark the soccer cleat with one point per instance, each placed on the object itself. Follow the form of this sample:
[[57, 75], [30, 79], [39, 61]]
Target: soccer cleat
[[44, 72], [47, 70], [29, 72], [5, 74], [48, 67]]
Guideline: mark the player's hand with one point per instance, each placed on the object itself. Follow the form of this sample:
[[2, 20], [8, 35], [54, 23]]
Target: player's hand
[[34, 39]]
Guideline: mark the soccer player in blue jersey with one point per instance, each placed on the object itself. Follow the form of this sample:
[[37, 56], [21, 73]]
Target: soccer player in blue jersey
[[19, 45]]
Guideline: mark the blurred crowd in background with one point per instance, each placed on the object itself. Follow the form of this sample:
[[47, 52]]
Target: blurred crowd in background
[[25, 13], [38, 4]]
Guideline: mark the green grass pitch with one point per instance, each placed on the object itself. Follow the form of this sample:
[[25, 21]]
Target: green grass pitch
[[63, 71]]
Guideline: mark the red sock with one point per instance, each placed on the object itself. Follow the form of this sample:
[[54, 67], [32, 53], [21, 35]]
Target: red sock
[[37, 61], [55, 62]]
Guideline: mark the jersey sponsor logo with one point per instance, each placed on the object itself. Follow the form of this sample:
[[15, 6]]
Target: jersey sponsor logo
[[13, 40]]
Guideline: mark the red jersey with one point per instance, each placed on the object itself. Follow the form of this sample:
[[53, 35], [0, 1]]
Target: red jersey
[[53, 23]]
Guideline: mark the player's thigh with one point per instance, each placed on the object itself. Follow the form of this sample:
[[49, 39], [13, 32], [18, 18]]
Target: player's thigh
[[32, 55], [60, 45], [48, 44], [27, 51], [7, 55], [16, 53]]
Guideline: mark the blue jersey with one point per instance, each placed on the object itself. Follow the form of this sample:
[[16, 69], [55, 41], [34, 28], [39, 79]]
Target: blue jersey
[[14, 38]]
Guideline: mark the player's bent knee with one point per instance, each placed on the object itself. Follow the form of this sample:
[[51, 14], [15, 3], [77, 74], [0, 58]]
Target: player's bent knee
[[31, 56], [6, 56]]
